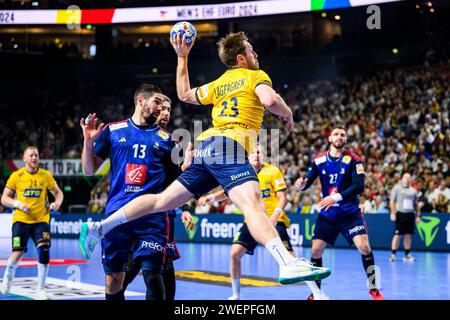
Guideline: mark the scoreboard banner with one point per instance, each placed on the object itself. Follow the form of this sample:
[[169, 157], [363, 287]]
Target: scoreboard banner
[[75, 15]]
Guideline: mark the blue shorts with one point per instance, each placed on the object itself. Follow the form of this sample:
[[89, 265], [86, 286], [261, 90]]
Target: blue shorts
[[145, 238], [217, 161], [172, 249], [349, 226]]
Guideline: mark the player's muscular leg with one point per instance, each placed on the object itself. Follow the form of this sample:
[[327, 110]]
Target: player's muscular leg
[[362, 244], [318, 246], [174, 196], [247, 197], [236, 254], [114, 282], [16, 256]]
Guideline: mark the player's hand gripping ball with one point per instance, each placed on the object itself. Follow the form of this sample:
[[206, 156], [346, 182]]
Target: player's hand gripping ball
[[184, 27]]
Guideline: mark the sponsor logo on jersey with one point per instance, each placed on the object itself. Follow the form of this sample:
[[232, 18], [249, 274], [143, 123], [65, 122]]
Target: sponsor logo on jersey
[[153, 245], [279, 183], [239, 175], [359, 168], [356, 229], [118, 126], [162, 134], [346, 159], [265, 193], [123, 139], [156, 145], [324, 172], [135, 174], [32, 193], [320, 160], [202, 92]]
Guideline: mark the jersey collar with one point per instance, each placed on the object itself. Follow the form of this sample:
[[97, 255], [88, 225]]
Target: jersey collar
[[337, 159], [146, 128]]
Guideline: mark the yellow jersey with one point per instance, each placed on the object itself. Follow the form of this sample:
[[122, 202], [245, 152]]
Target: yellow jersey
[[237, 112], [32, 189], [271, 181]]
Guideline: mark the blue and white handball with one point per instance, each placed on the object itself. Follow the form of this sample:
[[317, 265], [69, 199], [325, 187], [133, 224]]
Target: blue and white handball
[[184, 27]]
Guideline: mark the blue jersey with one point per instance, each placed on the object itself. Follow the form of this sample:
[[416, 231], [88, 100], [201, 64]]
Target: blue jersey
[[343, 175], [140, 157]]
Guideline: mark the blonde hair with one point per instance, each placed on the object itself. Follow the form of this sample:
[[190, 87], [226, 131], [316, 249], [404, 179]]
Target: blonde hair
[[230, 47]]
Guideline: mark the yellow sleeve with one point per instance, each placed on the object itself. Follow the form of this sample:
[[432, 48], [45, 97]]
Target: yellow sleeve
[[12, 182], [204, 94], [260, 77], [51, 183], [278, 183]]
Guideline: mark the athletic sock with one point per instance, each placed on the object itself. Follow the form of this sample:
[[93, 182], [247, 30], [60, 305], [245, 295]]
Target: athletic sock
[[236, 286], [114, 220], [119, 296], [317, 263], [279, 252], [369, 267], [407, 252], [394, 251], [10, 270], [42, 275]]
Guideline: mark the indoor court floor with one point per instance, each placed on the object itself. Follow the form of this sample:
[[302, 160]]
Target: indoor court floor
[[202, 274]]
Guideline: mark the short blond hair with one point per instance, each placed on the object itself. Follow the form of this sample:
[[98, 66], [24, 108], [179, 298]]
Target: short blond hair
[[230, 47]]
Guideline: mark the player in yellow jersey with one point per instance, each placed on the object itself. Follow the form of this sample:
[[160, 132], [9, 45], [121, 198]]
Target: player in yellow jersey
[[239, 98], [26, 192], [273, 192]]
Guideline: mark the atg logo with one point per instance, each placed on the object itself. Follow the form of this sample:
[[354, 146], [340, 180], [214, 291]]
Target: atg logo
[[32, 193], [428, 229]]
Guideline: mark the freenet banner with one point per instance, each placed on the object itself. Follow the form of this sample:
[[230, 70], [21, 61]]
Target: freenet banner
[[74, 15]]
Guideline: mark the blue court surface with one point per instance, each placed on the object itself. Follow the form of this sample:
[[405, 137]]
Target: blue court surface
[[202, 274]]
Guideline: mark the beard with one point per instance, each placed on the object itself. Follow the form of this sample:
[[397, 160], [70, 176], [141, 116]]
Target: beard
[[338, 144], [150, 118]]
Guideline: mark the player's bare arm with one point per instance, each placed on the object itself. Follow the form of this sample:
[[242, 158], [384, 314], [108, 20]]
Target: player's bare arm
[[8, 201], [184, 91], [89, 162], [59, 198], [275, 104], [282, 196]]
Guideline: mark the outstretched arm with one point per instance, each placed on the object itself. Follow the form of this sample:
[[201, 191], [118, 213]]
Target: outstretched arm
[[184, 91]]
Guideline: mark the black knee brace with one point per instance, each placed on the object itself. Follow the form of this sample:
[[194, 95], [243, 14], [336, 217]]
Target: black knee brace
[[155, 285], [44, 254], [169, 279]]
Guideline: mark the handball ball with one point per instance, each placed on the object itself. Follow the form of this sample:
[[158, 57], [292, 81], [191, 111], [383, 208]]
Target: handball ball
[[184, 27]]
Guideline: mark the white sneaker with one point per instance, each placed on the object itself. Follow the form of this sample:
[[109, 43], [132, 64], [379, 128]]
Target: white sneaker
[[301, 269], [392, 258], [6, 286], [89, 238], [234, 297], [40, 295], [409, 258]]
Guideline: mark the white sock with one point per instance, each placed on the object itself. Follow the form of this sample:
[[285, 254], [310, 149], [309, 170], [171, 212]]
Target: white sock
[[114, 220], [42, 275], [10, 270], [314, 288], [279, 252], [236, 286]]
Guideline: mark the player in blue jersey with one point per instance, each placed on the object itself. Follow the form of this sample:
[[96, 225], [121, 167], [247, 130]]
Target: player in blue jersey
[[140, 153], [341, 175], [239, 97], [134, 265]]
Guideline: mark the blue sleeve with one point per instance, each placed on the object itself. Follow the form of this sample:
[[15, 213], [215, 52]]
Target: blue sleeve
[[102, 144], [357, 186], [311, 175], [171, 169]]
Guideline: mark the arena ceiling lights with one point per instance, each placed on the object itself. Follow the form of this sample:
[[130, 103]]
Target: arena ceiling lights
[[75, 16]]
